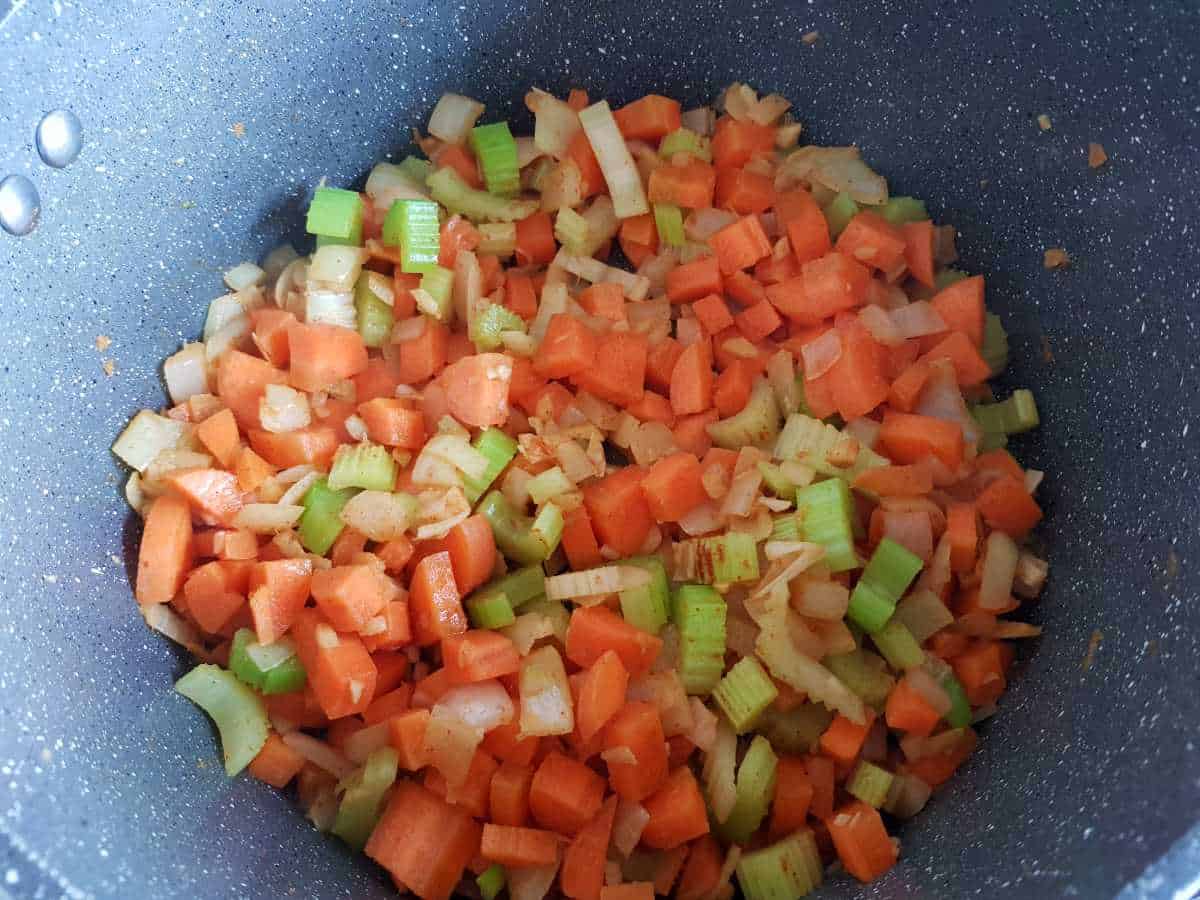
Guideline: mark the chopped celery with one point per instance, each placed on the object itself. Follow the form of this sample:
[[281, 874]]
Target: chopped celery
[[755, 788], [519, 538], [698, 611], [995, 344], [839, 212], [785, 527], [519, 586], [683, 140], [362, 801], [571, 230], [366, 466], [414, 169], [776, 482], [946, 277], [374, 317], [490, 611], [238, 712], [826, 510], [923, 614], [797, 730], [757, 423], [899, 210], [744, 692], [491, 882], [810, 441], [324, 240], [412, 225], [496, 150], [499, 449], [548, 526], [448, 189], [885, 579], [898, 646], [991, 440], [959, 715], [498, 239], [786, 870], [1012, 416], [271, 668], [336, 213], [488, 324], [864, 673], [869, 783], [720, 559], [668, 221], [321, 522], [438, 284], [645, 607]]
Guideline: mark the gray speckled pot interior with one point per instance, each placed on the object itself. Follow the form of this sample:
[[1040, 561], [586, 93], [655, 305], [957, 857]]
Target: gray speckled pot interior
[[109, 782]]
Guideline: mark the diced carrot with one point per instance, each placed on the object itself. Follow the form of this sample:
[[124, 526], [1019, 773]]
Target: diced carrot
[[508, 799], [276, 763], [459, 158], [476, 388], [404, 303], [457, 235], [713, 314], [219, 434], [758, 322], [601, 694], [692, 381], [241, 381], [519, 296], [775, 269], [649, 118], [691, 432], [740, 245], [350, 596], [565, 794], [831, 283], [580, 152], [423, 841], [792, 798], [478, 656], [389, 705], [579, 540], [397, 631], [340, 670], [407, 736], [801, 218], [392, 423], [314, 446], [323, 354], [702, 872], [422, 357], [568, 347], [618, 510], [278, 591], [516, 847], [691, 185], [862, 842], [395, 554], [732, 388], [434, 600], [693, 280], [605, 299], [637, 727], [491, 270], [735, 142], [961, 307], [635, 890], [999, 460], [472, 549], [872, 240], [895, 481], [252, 470], [660, 362], [970, 368], [908, 710], [1007, 506], [577, 99], [909, 438], [392, 668], [505, 743], [744, 192], [474, 793], [582, 876], [652, 408], [856, 380], [673, 487], [937, 768], [596, 629], [549, 402], [843, 739], [900, 357], [346, 546], [213, 494], [918, 250], [907, 386], [299, 708], [215, 591], [165, 553], [622, 377], [269, 326], [535, 240], [947, 644], [640, 230], [962, 528], [677, 812]]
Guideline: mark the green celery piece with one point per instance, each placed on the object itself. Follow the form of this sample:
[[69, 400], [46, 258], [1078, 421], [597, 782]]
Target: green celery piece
[[892, 568], [271, 668], [491, 612], [870, 608], [990, 440], [238, 712], [415, 169], [864, 673], [336, 213], [744, 693], [355, 240], [514, 532], [699, 613], [755, 789], [367, 466], [684, 140], [990, 417], [668, 221], [785, 527], [798, 730], [571, 230], [491, 882], [946, 277], [555, 611], [239, 663], [898, 646], [489, 322], [499, 449], [438, 284], [726, 558], [496, 150], [839, 212], [362, 802], [448, 189], [645, 607], [1012, 416], [286, 678], [786, 870], [959, 715], [899, 210], [321, 523], [809, 441], [995, 343], [412, 225], [757, 423], [548, 526], [775, 481], [519, 586], [826, 511], [375, 319], [869, 783]]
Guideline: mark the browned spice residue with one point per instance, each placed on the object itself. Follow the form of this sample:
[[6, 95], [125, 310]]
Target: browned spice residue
[[1093, 645], [110, 367], [1043, 122], [810, 38], [1096, 156], [1047, 353], [1056, 258], [103, 342], [238, 129]]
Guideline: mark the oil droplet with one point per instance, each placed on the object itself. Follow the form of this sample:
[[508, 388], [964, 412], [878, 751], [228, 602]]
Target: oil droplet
[[59, 138], [19, 205]]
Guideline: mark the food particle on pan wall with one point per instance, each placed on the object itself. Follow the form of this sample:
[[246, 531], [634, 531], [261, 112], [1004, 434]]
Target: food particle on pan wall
[[1056, 258], [1096, 155]]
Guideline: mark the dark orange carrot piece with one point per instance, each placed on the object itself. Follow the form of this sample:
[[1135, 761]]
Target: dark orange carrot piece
[[918, 250], [677, 812], [219, 434], [313, 446], [690, 185], [165, 553], [648, 119], [744, 192], [862, 842], [637, 727], [434, 600], [241, 380], [961, 306], [909, 438], [622, 378], [582, 876], [702, 870], [694, 280], [568, 347], [618, 510], [565, 794], [673, 487], [276, 763], [792, 798], [517, 847], [735, 142], [740, 245], [509, 794], [692, 381], [596, 629]]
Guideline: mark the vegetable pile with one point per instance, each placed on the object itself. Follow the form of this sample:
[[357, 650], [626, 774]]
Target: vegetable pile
[[532, 569]]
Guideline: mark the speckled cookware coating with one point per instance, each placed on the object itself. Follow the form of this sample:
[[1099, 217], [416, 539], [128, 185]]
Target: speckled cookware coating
[[109, 782]]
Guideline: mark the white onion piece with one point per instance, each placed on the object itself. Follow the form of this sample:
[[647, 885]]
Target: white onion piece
[[880, 324], [620, 173], [283, 409], [927, 686], [602, 580], [453, 117], [942, 399], [294, 494], [554, 123], [651, 442], [267, 518], [825, 600], [739, 499], [380, 515], [701, 120], [167, 622], [1000, 556], [244, 275], [702, 519], [319, 754], [628, 825], [322, 307], [864, 430], [704, 725], [484, 705], [337, 266], [701, 224], [367, 740], [276, 261], [186, 373], [918, 319], [822, 354]]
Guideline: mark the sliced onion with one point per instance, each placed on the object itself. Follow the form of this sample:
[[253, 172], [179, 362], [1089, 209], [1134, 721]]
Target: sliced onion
[[294, 494], [701, 224], [931, 692], [554, 122], [283, 409], [822, 354], [836, 168], [936, 575], [621, 755], [267, 518], [484, 705], [666, 692], [718, 772], [336, 266], [450, 745], [942, 399], [704, 725], [167, 622], [864, 430], [912, 530], [628, 825], [918, 319], [186, 373], [453, 117], [530, 882], [701, 120], [739, 499], [1000, 557], [408, 329], [380, 515], [635, 287], [702, 519], [319, 754], [1030, 576], [546, 703], [826, 600], [880, 324], [324, 307], [602, 580], [367, 740], [907, 796], [651, 442], [621, 175]]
